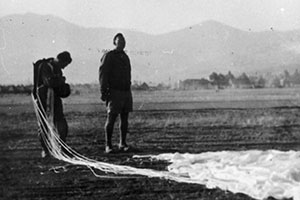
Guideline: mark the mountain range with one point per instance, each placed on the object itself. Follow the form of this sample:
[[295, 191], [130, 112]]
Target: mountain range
[[192, 52]]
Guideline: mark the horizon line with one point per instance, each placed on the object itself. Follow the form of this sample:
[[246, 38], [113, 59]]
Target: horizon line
[[271, 29]]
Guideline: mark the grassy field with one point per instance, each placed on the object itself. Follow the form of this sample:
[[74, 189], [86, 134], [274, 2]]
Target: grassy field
[[180, 99], [162, 122]]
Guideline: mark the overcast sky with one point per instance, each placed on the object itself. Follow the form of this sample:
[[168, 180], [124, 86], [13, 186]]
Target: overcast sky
[[160, 16]]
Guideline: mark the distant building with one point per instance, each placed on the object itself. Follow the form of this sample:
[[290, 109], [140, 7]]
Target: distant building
[[285, 82], [195, 84], [143, 86], [242, 82], [11, 89]]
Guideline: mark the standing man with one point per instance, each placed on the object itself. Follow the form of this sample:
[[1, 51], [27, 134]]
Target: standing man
[[115, 88], [49, 87]]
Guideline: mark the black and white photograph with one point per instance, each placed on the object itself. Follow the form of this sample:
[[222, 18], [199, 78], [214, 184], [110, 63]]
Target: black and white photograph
[[150, 99]]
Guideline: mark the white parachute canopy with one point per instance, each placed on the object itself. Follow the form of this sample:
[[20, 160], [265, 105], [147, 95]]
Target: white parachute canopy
[[259, 174]]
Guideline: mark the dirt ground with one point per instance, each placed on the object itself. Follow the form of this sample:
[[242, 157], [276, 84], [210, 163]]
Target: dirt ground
[[25, 175]]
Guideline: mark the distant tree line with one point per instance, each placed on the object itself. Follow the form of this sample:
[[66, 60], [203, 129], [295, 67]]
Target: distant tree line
[[214, 81], [27, 89], [221, 81], [15, 89], [79, 89]]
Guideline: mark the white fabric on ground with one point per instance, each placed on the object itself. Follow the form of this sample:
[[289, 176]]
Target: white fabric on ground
[[259, 174]]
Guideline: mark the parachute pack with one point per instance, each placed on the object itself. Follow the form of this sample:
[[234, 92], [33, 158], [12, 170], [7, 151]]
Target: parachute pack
[[36, 73], [63, 91]]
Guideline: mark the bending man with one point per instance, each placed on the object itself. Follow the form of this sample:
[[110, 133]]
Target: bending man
[[49, 87]]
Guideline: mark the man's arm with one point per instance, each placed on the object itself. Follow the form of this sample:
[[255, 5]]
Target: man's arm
[[104, 70], [129, 69]]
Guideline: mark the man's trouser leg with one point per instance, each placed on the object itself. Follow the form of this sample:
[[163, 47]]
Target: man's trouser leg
[[43, 133], [109, 127], [43, 129], [123, 128], [60, 121], [62, 128], [44, 139]]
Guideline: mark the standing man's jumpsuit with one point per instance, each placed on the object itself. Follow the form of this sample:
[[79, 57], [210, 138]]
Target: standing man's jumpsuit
[[115, 85]]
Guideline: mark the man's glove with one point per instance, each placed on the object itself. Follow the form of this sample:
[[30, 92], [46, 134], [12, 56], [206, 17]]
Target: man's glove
[[104, 96]]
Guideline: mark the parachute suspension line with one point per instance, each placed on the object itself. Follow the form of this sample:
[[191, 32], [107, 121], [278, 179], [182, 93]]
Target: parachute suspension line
[[55, 145]]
